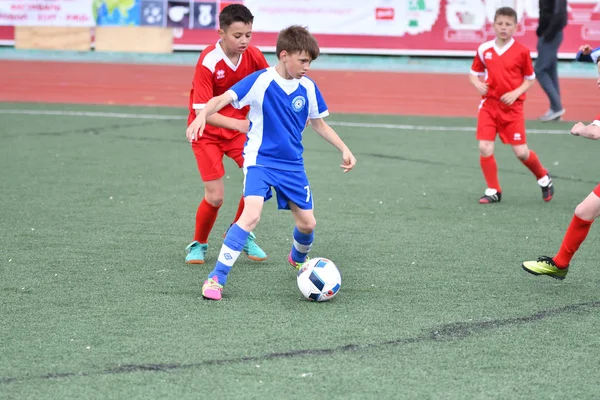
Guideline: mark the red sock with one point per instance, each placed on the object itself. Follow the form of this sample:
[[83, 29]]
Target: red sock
[[535, 166], [239, 210], [490, 171], [576, 234], [205, 219]]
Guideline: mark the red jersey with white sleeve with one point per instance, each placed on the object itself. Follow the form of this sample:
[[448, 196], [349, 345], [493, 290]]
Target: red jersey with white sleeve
[[214, 75], [504, 68]]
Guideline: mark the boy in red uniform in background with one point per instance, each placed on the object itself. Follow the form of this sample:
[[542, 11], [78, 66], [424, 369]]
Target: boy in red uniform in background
[[508, 71], [219, 67], [585, 214]]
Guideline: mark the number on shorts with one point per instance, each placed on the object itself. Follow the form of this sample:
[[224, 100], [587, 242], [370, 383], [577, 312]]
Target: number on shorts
[[307, 193]]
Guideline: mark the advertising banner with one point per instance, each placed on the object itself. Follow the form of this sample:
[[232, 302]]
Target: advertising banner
[[404, 27], [68, 13]]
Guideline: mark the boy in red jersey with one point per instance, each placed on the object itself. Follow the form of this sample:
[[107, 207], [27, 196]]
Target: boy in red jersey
[[585, 214], [219, 67], [508, 71]]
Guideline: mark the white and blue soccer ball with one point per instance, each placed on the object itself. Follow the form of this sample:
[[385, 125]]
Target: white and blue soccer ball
[[319, 279]]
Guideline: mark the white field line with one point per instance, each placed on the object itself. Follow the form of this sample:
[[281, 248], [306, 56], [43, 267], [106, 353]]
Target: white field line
[[333, 123]]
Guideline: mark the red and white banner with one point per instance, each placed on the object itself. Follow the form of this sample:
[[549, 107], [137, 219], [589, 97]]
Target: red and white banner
[[404, 27], [47, 13]]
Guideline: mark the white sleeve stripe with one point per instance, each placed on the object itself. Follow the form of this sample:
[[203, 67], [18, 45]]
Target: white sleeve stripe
[[530, 77], [198, 106], [211, 59], [477, 73], [233, 95], [596, 122], [322, 115]]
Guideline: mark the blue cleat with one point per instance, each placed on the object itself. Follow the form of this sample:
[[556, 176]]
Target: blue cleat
[[195, 253], [252, 250]]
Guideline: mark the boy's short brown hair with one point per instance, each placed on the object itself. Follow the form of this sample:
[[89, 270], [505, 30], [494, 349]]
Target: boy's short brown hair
[[296, 39], [506, 12], [235, 13]]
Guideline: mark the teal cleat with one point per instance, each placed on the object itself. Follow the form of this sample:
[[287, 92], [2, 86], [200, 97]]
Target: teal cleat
[[252, 250], [195, 253]]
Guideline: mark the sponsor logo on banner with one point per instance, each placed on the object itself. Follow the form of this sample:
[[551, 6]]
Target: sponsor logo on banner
[[153, 13], [117, 12], [47, 13], [384, 13], [178, 14], [205, 15]]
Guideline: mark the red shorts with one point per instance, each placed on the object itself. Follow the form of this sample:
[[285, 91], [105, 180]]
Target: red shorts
[[209, 152], [597, 190], [496, 117]]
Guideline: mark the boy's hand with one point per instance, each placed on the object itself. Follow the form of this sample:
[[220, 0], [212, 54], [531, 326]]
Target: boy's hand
[[194, 131], [481, 87], [243, 126], [577, 129], [586, 49], [510, 97], [348, 159]]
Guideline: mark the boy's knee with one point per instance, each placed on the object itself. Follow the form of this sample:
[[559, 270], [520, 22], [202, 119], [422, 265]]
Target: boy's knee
[[215, 199], [248, 220], [307, 225], [523, 156], [586, 211], [486, 149]]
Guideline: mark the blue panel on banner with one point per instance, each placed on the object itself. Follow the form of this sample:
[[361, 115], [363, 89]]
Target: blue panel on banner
[[178, 14], [153, 13], [117, 12], [205, 15]]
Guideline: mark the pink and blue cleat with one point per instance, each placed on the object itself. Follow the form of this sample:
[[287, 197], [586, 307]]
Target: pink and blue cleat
[[296, 264], [211, 290]]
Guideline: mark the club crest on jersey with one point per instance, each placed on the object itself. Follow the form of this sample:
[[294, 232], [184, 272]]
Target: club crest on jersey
[[220, 74], [488, 55], [298, 103]]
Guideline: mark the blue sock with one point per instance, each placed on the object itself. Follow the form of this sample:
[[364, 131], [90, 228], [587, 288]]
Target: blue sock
[[301, 246], [232, 247]]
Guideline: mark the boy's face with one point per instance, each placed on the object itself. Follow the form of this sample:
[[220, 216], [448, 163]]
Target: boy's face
[[296, 64], [236, 37], [504, 27]]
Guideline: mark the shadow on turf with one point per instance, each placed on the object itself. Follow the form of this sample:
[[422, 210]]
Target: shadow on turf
[[454, 331]]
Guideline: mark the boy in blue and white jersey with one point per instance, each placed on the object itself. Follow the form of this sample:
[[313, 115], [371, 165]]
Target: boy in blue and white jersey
[[587, 54], [282, 100]]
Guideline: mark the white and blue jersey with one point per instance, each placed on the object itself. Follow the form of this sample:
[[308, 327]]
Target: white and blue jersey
[[279, 110], [593, 57]]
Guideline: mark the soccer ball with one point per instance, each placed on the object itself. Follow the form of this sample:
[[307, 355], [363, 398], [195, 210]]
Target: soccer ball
[[319, 279]]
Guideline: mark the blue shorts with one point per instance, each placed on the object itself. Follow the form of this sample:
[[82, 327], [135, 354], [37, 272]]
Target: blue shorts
[[291, 186]]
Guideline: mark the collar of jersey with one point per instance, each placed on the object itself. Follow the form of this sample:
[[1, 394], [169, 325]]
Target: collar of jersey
[[500, 50], [226, 59], [289, 86]]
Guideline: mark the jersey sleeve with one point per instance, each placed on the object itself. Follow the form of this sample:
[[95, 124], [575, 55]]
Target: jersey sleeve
[[528, 71], [596, 121], [477, 67], [261, 61], [202, 85], [242, 92], [318, 108]]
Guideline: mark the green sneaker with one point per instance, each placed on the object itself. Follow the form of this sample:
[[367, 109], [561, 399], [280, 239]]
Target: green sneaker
[[252, 250], [545, 266], [195, 253], [295, 264]]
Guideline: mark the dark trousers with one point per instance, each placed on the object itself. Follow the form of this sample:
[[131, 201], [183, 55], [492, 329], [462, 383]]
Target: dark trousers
[[546, 66]]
